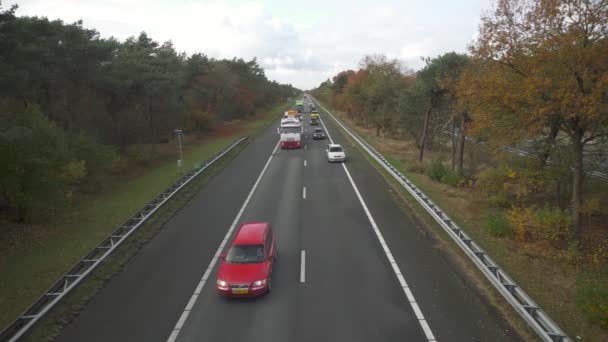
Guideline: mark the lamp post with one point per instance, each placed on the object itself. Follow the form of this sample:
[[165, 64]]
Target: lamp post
[[179, 133]]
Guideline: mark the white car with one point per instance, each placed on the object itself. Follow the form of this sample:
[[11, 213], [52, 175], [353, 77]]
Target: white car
[[335, 153]]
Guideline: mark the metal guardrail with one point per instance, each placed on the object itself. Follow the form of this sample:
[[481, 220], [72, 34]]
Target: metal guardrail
[[87, 264], [533, 314]]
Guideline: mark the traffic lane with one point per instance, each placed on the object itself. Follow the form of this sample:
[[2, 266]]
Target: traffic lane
[[145, 299], [269, 318], [351, 292], [453, 305]]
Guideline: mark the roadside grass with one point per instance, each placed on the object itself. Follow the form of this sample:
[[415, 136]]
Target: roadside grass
[[34, 256], [69, 308], [550, 279]]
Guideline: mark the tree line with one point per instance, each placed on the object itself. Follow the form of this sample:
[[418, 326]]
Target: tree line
[[537, 75], [71, 102]]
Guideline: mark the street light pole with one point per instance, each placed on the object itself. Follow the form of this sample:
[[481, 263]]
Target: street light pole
[[179, 133]]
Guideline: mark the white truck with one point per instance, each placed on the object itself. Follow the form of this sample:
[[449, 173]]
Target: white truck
[[291, 133]]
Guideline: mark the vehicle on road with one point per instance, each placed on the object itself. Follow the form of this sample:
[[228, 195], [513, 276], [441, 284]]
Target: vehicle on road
[[246, 268], [292, 113], [314, 120], [300, 106], [318, 134], [291, 133], [335, 153]]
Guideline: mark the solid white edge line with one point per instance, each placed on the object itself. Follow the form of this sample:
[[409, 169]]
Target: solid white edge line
[[182, 320], [302, 266], [408, 293]]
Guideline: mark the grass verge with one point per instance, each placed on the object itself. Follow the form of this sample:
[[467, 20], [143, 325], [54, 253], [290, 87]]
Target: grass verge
[[32, 257], [50, 326], [548, 279]]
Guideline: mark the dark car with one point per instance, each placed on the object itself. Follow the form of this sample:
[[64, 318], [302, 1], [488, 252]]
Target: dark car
[[318, 134], [314, 121]]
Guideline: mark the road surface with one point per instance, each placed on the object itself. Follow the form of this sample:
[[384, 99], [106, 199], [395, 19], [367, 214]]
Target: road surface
[[333, 280]]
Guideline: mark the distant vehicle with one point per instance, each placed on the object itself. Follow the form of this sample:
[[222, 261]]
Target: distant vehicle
[[318, 134], [291, 133], [246, 269], [314, 121], [300, 106], [335, 153]]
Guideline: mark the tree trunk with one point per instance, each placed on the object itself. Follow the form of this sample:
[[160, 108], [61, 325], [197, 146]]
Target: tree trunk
[[549, 142], [577, 183], [453, 143], [424, 132], [461, 146], [377, 130], [558, 194]]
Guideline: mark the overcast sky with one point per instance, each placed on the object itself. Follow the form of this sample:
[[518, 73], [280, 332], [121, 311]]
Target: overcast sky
[[298, 42]]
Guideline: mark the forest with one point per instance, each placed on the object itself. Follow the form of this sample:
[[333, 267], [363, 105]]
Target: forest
[[76, 108]]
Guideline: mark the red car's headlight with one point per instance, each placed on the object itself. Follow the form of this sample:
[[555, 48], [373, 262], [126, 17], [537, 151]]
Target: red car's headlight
[[259, 283]]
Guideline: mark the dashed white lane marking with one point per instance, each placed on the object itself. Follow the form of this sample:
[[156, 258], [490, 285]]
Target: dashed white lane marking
[[304, 192], [302, 266], [305, 162], [406, 289], [182, 319], [305, 146]]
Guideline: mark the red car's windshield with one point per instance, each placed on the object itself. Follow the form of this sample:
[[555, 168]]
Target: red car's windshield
[[245, 254]]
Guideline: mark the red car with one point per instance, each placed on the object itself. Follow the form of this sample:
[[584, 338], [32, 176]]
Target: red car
[[246, 269]]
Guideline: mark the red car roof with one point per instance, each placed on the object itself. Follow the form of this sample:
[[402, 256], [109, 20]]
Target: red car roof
[[251, 233]]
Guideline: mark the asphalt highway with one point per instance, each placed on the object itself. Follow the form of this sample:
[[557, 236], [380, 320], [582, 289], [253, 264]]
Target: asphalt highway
[[333, 280]]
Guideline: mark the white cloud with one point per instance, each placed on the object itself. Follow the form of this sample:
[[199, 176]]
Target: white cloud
[[302, 45]]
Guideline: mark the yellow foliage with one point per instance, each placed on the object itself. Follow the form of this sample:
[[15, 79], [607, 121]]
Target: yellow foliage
[[538, 223], [73, 171], [520, 219], [512, 174], [592, 205]]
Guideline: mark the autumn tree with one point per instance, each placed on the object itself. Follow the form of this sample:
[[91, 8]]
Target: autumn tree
[[542, 71], [433, 92], [380, 93]]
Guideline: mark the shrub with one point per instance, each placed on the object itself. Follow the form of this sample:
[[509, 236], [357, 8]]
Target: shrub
[[493, 182], [497, 225], [548, 223], [200, 121], [437, 171], [452, 178], [592, 299], [521, 218], [551, 223], [141, 154]]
